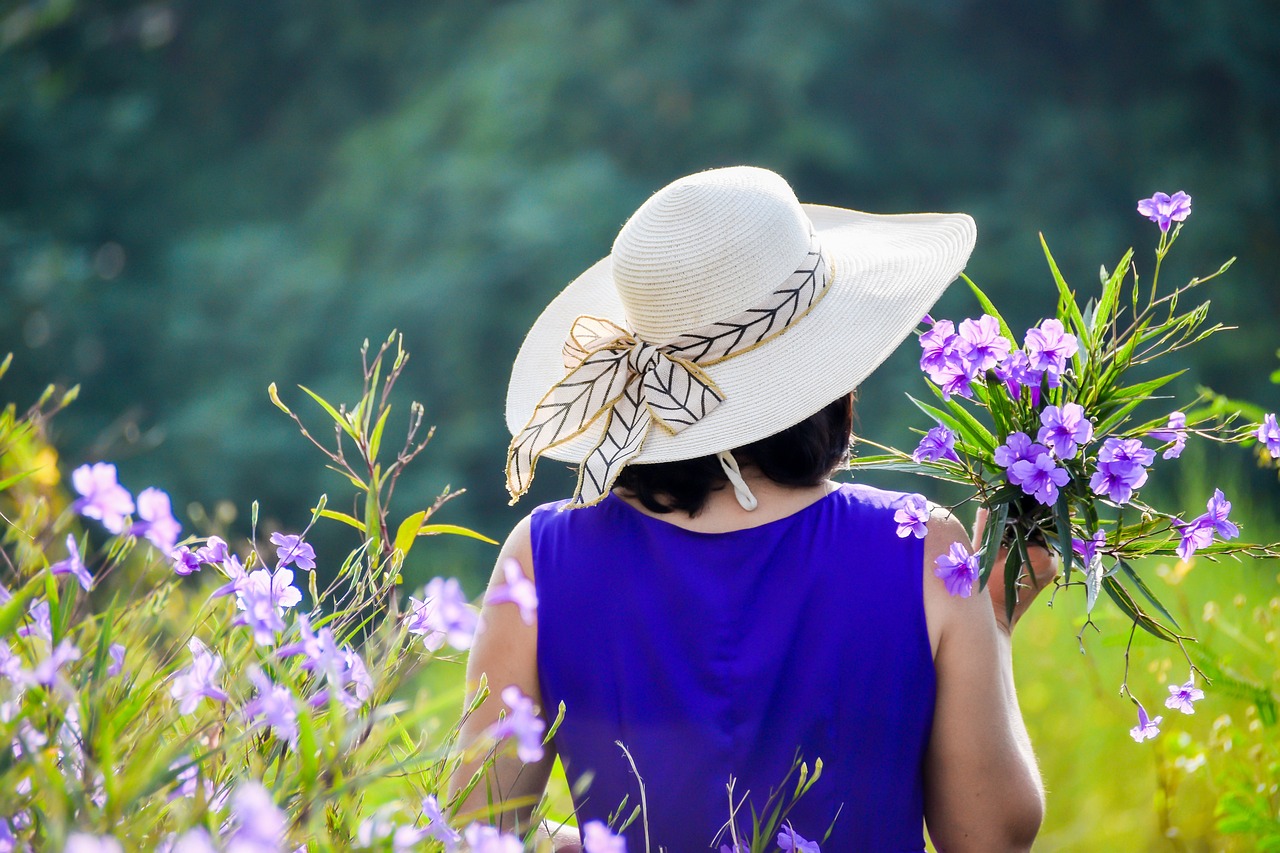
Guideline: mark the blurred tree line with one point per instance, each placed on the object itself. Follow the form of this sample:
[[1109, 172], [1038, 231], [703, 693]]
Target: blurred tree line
[[198, 198]]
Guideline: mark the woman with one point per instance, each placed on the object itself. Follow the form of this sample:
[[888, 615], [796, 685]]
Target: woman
[[711, 607]]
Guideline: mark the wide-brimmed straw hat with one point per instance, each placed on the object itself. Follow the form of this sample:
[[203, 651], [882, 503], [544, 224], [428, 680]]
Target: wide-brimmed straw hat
[[726, 312]]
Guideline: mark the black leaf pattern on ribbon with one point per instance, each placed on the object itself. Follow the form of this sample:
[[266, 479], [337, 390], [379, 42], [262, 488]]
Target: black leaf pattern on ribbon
[[623, 437], [679, 395]]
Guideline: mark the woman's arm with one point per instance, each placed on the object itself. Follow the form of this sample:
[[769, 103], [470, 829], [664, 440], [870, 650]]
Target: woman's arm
[[503, 653], [983, 791]]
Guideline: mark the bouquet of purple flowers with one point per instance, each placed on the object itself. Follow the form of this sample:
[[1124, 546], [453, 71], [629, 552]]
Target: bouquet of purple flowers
[[1047, 433]]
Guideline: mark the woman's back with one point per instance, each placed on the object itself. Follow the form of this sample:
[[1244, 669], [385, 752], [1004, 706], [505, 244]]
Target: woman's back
[[730, 654]]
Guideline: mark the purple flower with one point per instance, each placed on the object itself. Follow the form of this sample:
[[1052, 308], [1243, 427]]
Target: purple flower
[[1122, 467], [277, 587], [260, 826], [598, 838], [192, 841], [1015, 372], [185, 561], [1089, 549], [1175, 431], [486, 839], [116, 653], [1195, 536], [40, 625], [958, 570], [789, 839], [291, 549], [101, 496], [73, 565], [237, 577], [259, 613], [1049, 346], [200, 680], [1198, 533], [1016, 447], [443, 615], [437, 827], [1182, 696], [938, 443], [379, 828], [913, 517], [1218, 509], [46, 672], [517, 590], [1269, 434], [937, 345], [1065, 429], [981, 344], [1146, 728], [214, 551], [1040, 477], [522, 724], [273, 707], [158, 524], [339, 667], [1164, 209], [80, 842]]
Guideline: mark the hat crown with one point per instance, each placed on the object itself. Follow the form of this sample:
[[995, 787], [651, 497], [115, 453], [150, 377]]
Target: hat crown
[[706, 248]]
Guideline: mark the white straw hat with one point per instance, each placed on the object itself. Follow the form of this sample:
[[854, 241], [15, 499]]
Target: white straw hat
[[726, 312]]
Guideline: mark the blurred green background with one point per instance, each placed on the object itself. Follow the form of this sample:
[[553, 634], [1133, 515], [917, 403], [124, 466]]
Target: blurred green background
[[198, 198]]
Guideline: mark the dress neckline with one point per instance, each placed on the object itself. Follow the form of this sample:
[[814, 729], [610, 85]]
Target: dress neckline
[[839, 488]]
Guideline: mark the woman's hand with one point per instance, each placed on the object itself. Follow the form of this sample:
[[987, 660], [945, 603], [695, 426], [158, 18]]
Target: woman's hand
[[1044, 568]]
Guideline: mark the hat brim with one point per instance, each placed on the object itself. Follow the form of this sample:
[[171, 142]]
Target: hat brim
[[888, 271]]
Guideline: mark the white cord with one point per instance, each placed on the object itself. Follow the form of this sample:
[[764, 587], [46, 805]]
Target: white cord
[[740, 490]]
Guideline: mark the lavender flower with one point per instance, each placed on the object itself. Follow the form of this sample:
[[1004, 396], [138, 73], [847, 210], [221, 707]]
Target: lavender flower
[[214, 551], [937, 346], [158, 524], [1164, 209], [46, 672], [486, 839], [522, 724], [237, 577], [116, 653], [1090, 551], [517, 590], [1040, 477], [1122, 467], [1198, 533], [1065, 429], [597, 838], [1017, 447], [185, 561], [290, 549], [1181, 696], [275, 586], [273, 707], [260, 613], [981, 344], [379, 828], [1049, 346], [1146, 727], [101, 496], [1015, 372], [938, 443], [40, 625], [437, 827], [1269, 434], [80, 842], [1176, 432], [260, 825], [913, 517], [443, 615], [10, 668], [73, 565], [200, 680], [192, 841], [958, 570], [790, 840]]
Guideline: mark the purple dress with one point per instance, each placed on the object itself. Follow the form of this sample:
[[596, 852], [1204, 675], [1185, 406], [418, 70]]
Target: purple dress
[[719, 655]]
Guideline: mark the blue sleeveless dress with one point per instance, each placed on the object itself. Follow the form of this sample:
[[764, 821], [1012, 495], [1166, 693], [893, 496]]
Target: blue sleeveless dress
[[727, 655]]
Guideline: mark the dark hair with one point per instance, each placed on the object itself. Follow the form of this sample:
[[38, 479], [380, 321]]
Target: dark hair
[[800, 455]]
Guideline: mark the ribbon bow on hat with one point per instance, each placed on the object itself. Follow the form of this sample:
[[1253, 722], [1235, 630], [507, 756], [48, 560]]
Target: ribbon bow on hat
[[633, 384]]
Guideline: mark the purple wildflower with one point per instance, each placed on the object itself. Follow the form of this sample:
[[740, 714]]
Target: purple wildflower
[[1194, 537], [1146, 727], [10, 667], [192, 841], [214, 551], [937, 346], [290, 549], [357, 675], [981, 344], [1089, 549], [1040, 477], [486, 839], [521, 723], [101, 496], [73, 565], [958, 570], [260, 825], [40, 625], [276, 586], [1218, 510], [80, 842], [517, 590], [46, 672], [185, 561], [790, 840], [1122, 467], [158, 524], [1164, 209], [437, 827], [116, 653], [1015, 372], [598, 838], [237, 577], [380, 828], [200, 680], [1182, 696], [1065, 429], [273, 707], [938, 443], [1016, 447], [1269, 434], [260, 613], [913, 517], [1049, 345], [1198, 533], [443, 615], [1175, 431]]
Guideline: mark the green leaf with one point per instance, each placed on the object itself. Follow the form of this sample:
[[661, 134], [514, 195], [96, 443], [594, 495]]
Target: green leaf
[[1012, 570], [16, 478], [375, 442], [1125, 602], [344, 518], [1146, 591], [16, 606], [989, 307], [1110, 297], [992, 536], [407, 533], [1062, 519], [960, 421], [4, 365], [455, 530], [333, 413], [1066, 299]]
